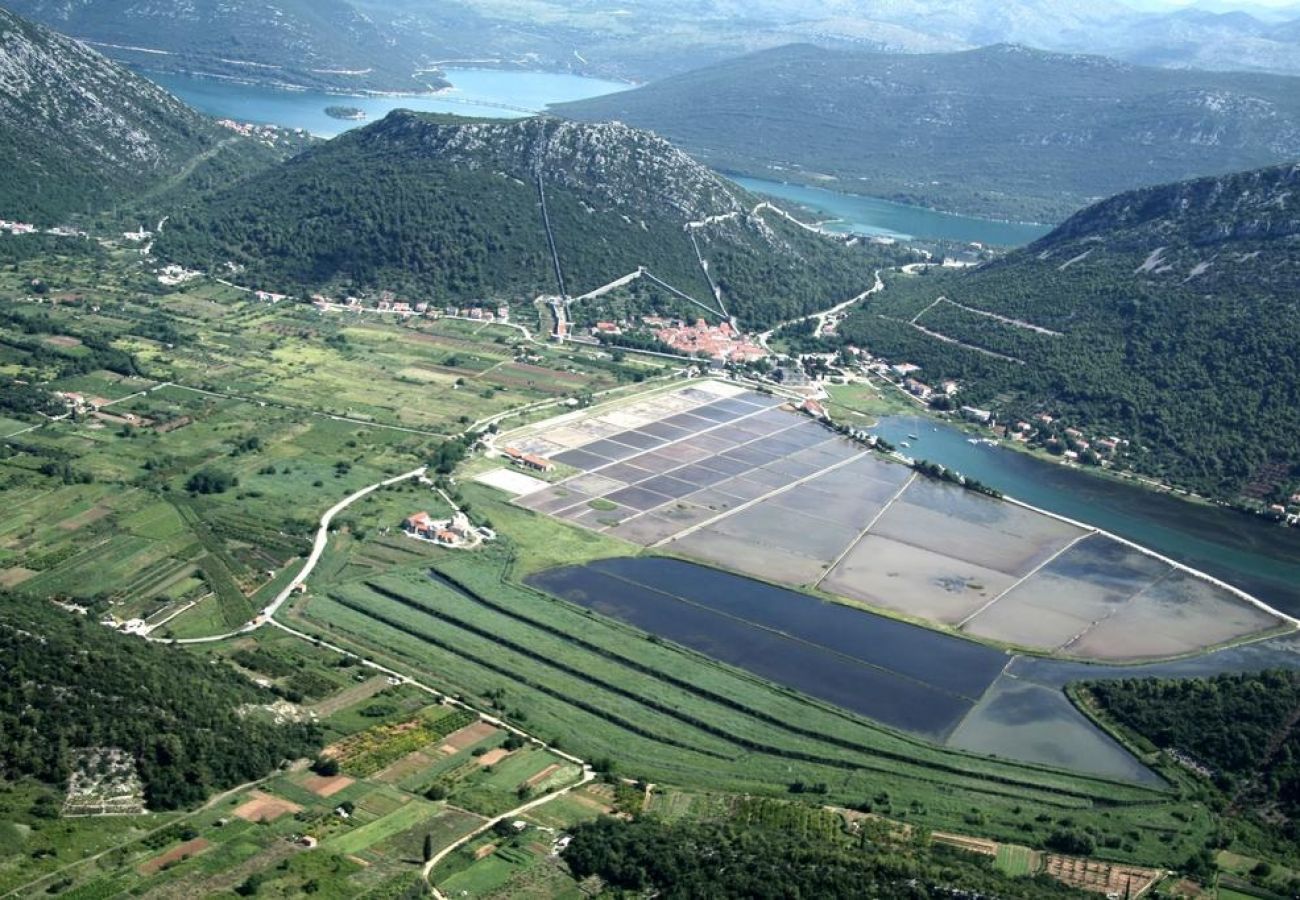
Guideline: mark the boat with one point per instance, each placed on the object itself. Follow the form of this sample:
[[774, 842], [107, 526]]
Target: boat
[[913, 437], [904, 444]]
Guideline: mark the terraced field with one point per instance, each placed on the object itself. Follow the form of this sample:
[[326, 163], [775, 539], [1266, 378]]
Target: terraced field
[[660, 713]]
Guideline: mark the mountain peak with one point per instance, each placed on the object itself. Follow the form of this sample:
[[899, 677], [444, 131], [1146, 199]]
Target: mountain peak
[[77, 125]]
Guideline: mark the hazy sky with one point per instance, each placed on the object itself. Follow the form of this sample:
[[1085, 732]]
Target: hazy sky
[[1213, 4]]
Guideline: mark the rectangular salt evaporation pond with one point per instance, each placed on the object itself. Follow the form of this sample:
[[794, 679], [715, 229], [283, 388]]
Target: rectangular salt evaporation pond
[[1178, 614], [860, 682], [1088, 582], [980, 530]]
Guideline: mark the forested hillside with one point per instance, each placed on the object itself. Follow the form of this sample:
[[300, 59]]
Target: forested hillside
[[67, 683], [779, 850], [324, 43], [1166, 316], [1002, 131], [1240, 727], [81, 135], [443, 208]]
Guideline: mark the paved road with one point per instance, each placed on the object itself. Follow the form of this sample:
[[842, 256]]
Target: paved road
[[317, 550], [823, 315]]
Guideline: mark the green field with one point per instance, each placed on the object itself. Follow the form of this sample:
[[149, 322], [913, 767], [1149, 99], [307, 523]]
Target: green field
[[1015, 860], [665, 715]]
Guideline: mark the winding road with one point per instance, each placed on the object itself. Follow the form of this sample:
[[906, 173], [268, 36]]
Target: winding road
[[822, 315], [317, 550]]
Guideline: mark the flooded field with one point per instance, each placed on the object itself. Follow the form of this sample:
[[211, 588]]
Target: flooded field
[[738, 479], [903, 675], [935, 685]]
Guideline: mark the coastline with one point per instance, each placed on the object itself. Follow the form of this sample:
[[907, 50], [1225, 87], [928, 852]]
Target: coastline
[[840, 189]]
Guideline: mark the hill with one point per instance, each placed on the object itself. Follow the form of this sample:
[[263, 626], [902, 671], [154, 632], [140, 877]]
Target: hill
[[444, 208], [79, 134], [1003, 131], [177, 717], [319, 43], [1166, 316], [1236, 730]]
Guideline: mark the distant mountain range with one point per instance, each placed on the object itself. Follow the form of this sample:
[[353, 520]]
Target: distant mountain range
[[1002, 131], [324, 43], [398, 44], [1168, 316], [79, 133], [445, 208]]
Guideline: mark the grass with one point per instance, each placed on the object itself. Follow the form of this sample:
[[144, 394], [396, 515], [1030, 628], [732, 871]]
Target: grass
[[407, 816], [1014, 860], [667, 715]]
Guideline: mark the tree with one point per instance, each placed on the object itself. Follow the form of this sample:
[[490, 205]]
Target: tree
[[428, 847]]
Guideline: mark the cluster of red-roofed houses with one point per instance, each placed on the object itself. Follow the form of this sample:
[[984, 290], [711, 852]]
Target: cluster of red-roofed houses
[[721, 342], [457, 531]]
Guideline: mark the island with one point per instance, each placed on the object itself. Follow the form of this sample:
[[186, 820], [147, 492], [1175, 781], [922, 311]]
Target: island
[[345, 112]]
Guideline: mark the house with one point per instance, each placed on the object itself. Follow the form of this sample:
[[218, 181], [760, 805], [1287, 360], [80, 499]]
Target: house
[[902, 370], [983, 416], [503, 313], [606, 328], [814, 409], [420, 525], [529, 460], [917, 389]]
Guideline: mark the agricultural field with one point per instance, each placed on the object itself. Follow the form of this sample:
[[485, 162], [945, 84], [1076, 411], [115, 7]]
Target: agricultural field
[[738, 480], [407, 768], [648, 710], [185, 496]]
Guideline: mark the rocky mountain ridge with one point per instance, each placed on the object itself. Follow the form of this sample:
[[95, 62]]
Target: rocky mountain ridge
[[445, 208], [75, 128], [1004, 131]]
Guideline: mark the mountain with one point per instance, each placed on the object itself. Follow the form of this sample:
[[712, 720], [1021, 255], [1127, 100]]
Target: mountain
[[320, 43], [654, 38], [78, 133], [1168, 316], [445, 208], [1002, 131]]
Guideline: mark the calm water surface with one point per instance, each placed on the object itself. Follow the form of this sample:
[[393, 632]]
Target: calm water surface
[[930, 684], [870, 216], [474, 92], [911, 678], [1258, 557]]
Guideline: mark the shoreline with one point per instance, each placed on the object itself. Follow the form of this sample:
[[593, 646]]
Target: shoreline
[[956, 214]]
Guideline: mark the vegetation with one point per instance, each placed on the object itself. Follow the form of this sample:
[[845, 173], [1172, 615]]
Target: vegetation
[[80, 134], [315, 43], [1161, 317], [777, 850], [66, 682], [446, 209], [1238, 728], [1003, 131], [345, 112]]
